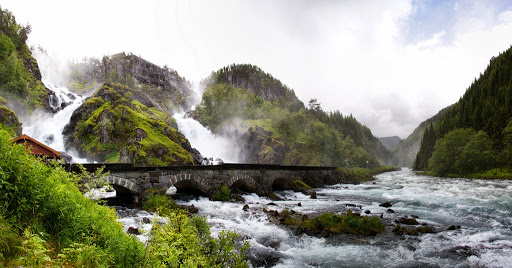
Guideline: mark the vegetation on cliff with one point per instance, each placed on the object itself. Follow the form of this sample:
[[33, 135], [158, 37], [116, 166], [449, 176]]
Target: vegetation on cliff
[[20, 78], [115, 126], [8, 120], [474, 135], [273, 130], [165, 87]]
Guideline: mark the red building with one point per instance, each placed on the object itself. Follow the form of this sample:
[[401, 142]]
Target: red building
[[37, 148]]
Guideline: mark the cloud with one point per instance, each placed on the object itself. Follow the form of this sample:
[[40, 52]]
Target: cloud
[[392, 64]]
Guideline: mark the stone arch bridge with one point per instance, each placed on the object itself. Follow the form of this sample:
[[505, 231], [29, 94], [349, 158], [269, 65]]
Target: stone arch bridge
[[206, 180]]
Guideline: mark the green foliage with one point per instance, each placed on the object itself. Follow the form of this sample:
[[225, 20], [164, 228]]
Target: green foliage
[[485, 106], [349, 223], [361, 174], [183, 242], [462, 151], [224, 194], [346, 223], [300, 185], [19, 74], [84, 255], [48, 208], [161, 204]]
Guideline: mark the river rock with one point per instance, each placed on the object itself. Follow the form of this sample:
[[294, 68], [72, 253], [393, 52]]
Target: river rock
[[408, 221], [146, 220], [246, 207], [263, 257], [133, 230], [386, 204], [390, 210], [171, 191], [313, 196]]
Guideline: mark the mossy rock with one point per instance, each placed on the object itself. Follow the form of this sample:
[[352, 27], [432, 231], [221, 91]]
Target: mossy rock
[[110, 127], [9, 121]]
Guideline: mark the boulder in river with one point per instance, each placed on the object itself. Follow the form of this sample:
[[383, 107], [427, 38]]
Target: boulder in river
[[386, 204]]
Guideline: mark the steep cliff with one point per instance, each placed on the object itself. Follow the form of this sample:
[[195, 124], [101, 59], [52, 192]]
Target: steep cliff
[[167, 90], [20, 78], [119, 124]]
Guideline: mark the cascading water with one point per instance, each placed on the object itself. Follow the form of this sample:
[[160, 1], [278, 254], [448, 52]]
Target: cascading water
[[481, 208], [209, 144], [47, 128]]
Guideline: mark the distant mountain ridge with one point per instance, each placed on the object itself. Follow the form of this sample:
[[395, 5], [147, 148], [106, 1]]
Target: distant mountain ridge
[[390, 142]]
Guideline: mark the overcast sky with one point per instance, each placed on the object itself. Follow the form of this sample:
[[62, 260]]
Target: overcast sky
[[392, 64]]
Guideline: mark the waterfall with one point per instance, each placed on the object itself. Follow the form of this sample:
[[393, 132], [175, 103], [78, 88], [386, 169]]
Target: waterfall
[[208, 144], [47, 128]]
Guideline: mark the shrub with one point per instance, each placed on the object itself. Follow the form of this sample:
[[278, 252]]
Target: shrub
[[224, 194], [161, 204]]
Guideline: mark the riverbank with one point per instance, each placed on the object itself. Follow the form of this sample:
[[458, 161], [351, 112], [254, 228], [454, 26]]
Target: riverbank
[[492, 174]]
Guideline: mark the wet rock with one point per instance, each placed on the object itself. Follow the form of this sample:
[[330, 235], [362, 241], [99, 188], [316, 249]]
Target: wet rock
[[171, 191], [269, 241], [367, 212], [390, 210], [238, 198], [451, 228], [386, 204], [146, 220], [271, 204], [246, 207], [408, 221], [133, 230], [414, 216], [262, 257], [299, 204], [313, 196], [192, 209]]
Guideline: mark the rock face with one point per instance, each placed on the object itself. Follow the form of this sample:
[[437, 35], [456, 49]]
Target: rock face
[[261, 147], [119, 124], [163, 86]]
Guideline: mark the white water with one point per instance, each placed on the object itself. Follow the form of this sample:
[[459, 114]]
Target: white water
[[482, 208], [208, 144], [47, 128]]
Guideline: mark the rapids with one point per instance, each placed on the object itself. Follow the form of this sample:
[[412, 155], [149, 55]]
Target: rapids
[[482, 209]]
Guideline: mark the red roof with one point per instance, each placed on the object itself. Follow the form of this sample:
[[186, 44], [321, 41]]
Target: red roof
[[36, 147]]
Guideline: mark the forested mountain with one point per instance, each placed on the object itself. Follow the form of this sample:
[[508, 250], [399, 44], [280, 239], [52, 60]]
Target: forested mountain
[[273, 126], [20, 78], [405, 153], [475, 134]]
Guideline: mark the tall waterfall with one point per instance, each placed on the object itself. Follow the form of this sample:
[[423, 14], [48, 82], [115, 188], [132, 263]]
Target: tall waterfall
[[209, 144], [47, 128]]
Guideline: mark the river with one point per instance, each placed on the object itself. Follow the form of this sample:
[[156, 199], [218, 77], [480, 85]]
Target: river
[[482, 209]]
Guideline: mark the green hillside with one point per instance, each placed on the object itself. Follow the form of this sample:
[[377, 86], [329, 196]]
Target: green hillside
[[20, 78], [274, 127], [474, 136]]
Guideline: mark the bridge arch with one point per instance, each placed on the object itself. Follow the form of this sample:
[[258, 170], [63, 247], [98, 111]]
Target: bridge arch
[[190, 182], [244, 182], [122, 182]]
